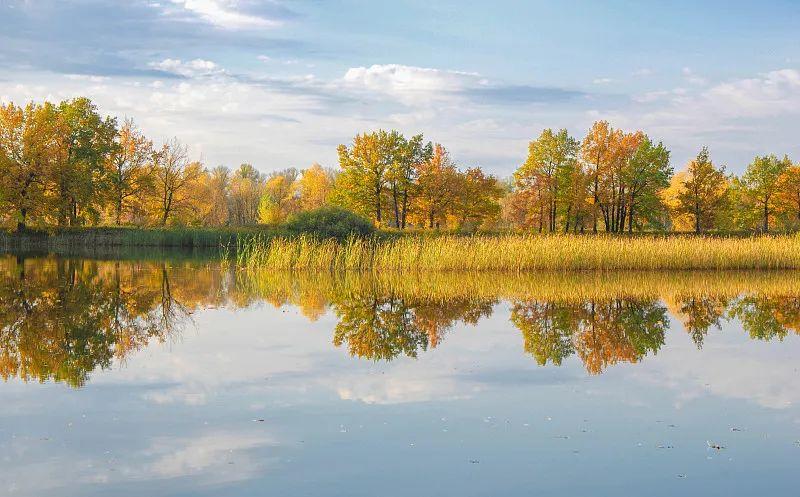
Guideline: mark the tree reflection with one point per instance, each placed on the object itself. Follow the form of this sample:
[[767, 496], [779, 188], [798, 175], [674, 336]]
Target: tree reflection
[[383, 327], [61, 319], [768, 317], [64, 318], [601, 332]]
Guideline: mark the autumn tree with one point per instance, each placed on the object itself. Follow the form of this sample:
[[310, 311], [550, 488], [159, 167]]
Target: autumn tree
[[703, 192], [438, 185], [645, 174], [788, 195], [477, 199], [599, 151], [365, 166], [246, 188], [280, 197], [546, 174], [28, 143], [172, 179], [314, 187], [761, 181], [85, 140], [406, 157], [219, 184], [127, 168]]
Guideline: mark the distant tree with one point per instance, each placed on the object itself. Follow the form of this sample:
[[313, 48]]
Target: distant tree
[[761, 180], [172, 179], [703, 192], [314, 187]]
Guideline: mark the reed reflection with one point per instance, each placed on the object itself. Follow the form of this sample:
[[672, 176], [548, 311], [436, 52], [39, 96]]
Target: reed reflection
[[61, 319]]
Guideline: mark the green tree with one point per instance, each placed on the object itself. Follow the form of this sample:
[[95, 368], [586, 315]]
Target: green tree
[[645, 175], [85, 141], [550, 166], [365, 168], [761, 180]]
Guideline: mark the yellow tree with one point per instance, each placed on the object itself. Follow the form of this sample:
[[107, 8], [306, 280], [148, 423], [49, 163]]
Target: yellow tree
[[477, 198], [703, 192], [599, 151], [28, 145], [365, 168], [128, 168], [788, 195], [550, 166], [246, 189], [437, 183], [172, 178], [314, 187]]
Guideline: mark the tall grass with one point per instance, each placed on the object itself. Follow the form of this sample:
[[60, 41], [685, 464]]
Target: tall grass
[[521, 253]]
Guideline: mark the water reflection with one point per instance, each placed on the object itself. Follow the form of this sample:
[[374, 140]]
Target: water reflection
[[61, 319]]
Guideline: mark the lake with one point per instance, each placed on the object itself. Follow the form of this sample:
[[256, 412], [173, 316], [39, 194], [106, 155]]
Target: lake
[[186, 377]]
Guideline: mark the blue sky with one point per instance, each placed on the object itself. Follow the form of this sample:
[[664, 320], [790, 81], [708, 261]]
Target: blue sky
[[281, 83]]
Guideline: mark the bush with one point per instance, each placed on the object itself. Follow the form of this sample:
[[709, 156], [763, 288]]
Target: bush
[[330, 222]]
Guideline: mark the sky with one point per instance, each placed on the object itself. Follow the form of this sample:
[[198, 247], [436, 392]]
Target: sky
[[280, 83]]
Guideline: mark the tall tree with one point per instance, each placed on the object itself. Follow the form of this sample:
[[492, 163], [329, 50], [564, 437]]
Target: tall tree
[[551, 163], [172, 179], [86, 139], [438, 185], [645, 174], [128, 168], [314, 187], [406, 156], [29, 144], [703, 192], [789, 194], [365, 166], [761, 180], [599, 151]]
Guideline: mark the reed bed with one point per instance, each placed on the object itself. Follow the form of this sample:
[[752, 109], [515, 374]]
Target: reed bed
[[297, 286], [521, 253]]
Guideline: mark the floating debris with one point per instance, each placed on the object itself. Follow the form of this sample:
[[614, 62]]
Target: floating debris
[[681, 475], [736, 429], [714, 446], [474, 461]]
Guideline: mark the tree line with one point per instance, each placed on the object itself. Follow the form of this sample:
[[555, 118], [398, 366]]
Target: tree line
[[67, 165]]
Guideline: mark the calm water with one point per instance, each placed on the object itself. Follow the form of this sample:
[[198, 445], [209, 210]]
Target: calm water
[[132, 378]]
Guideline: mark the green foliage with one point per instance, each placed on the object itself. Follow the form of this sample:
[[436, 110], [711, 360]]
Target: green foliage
[[330, 222]]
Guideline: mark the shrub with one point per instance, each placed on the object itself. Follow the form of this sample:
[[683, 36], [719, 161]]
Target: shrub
[[330, 222]]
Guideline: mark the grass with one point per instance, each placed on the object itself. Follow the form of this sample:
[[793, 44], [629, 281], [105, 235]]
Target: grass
[[303, 287], [518, 253]]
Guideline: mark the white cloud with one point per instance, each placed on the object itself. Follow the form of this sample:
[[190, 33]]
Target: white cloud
[[409, 84], [769, 94], [224, 14], [602, 81], [189, 68], [692, 78]]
